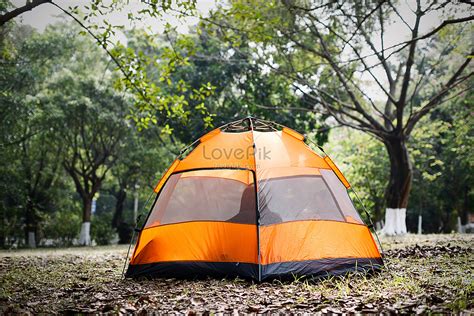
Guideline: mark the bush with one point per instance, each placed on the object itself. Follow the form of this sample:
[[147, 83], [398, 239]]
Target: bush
[[125, 232], [101, 229], [61, 227]]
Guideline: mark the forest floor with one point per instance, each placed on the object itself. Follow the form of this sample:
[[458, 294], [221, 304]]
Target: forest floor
[[428, 273]]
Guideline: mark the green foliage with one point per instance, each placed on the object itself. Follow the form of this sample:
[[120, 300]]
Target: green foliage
[[236, 87], [155, 103], [101, 230], [442, 164], [364, 162], [62, 227], [61, 109]]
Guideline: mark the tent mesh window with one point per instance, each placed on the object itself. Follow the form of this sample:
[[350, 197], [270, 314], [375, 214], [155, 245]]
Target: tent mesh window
[[296, 198], [206, 195], [342, 197], [305, 197]]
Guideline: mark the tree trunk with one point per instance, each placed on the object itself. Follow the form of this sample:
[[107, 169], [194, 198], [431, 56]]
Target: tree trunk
[[85, 236], [401, 174], [399, 186], [87, 209], [121, 196]]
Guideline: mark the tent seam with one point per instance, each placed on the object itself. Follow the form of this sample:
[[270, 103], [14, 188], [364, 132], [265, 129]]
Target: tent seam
[[259, 256]]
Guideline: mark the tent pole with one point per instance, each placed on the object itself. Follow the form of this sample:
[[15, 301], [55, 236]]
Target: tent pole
[[370, 221], [257, 215], [257, 222], [128, 252], [135, 229]]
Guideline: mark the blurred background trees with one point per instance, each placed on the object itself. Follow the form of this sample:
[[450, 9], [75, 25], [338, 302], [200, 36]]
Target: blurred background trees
[[66, 140], [442, 181], [330, 50], [76, 132]]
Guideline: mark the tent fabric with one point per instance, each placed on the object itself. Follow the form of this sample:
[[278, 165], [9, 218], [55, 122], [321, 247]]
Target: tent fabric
[[281, 270], [253, 201]]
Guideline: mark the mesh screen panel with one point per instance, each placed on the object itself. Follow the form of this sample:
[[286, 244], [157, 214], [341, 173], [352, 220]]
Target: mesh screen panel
[[342, 197], [296, 198], [205, 196]]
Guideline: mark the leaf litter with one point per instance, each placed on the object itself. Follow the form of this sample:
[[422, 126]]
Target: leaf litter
[[424, 274]]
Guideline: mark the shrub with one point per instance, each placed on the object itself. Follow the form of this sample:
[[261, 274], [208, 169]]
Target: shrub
[[101, 229]]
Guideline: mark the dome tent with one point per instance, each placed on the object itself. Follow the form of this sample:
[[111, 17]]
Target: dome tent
[[251, 199]]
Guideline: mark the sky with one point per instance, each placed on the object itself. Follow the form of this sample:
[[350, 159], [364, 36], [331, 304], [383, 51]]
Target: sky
[[46, 14], [395, 33]]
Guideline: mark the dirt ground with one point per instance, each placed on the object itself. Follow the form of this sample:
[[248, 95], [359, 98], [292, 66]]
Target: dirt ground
[[428, 273]]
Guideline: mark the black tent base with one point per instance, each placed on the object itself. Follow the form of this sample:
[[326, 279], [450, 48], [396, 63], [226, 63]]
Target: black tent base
[[314, 269]]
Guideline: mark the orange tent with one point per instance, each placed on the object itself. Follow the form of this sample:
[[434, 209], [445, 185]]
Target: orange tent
[[251, 199]]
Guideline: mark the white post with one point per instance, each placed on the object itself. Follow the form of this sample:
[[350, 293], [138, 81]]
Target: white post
[[459, 225], [135, 204], [31, 240], [420, 220]]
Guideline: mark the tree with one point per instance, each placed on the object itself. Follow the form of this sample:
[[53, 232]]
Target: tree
[[30, 153], [85, 115], [152, 104], [91, 123], [329, 49], [442, 167], [239, 87]]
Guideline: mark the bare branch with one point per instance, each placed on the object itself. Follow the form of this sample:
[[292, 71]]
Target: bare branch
[[400, 104], [436, 99], [30, 5], [341, 76], [341, 112], [360, 22], [400, 16], [368, 69], [403, 45]]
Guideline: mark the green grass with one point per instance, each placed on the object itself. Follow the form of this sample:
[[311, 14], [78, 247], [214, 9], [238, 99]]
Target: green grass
[[437, 276]]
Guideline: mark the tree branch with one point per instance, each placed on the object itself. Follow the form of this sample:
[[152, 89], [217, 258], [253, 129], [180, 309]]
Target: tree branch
[[436, 99], [119, 65], [339, 73], [30, 5], [400, 105]]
